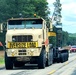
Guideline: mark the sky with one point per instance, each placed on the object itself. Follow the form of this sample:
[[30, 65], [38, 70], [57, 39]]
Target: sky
[[68, 14]]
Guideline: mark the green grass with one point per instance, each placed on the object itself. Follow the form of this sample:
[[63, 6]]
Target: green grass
[[1, 60]]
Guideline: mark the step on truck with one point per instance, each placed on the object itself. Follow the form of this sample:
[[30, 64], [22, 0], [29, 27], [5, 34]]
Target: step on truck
[[27, 41]]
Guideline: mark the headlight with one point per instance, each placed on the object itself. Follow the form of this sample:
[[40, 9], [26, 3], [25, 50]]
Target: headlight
[[13, 50], [13, 39], [32, 50]]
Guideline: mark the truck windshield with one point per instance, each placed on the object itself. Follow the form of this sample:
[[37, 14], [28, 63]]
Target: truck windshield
[[28, 24]]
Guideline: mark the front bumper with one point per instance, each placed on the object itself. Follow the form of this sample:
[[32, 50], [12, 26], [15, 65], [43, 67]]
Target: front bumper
[[23, 52]]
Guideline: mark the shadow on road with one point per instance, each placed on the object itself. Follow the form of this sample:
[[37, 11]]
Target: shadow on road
[[27, 66]]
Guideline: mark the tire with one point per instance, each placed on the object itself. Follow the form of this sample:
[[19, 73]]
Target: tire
[[50, 58], [8, 62], [51, 55], [48, 62], [62, 57], [59, 58], [42, 60], [67, 56]]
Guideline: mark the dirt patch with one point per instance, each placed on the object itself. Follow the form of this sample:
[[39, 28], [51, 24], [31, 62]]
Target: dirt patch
[[1, 53], [1, 58]]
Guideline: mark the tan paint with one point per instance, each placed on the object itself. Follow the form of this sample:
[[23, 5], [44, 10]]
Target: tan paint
[[37, 35]]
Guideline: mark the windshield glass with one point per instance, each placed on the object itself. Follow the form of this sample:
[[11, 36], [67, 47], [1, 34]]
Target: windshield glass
[[21, 24]]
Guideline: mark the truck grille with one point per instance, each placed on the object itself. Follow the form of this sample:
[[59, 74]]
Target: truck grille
[[22, 38], [22, 52]]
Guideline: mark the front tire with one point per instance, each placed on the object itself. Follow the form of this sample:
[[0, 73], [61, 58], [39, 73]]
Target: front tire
[[42, 60], [8, 62], [50, 58]]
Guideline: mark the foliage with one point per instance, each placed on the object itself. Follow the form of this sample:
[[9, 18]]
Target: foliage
[[13, 8], [72, 34], [65, 38], [71, 40]]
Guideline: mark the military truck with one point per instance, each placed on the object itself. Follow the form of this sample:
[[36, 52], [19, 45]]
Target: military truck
[[27, 41]]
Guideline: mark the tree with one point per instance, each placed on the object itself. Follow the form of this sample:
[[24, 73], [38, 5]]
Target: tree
[[12, 8], [3, 10], [41, 8], [65, 37]]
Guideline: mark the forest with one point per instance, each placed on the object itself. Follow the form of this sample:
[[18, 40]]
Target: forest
[[13, 8], [26, 8]]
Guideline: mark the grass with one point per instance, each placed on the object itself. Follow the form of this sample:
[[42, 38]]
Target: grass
[[1, 58]]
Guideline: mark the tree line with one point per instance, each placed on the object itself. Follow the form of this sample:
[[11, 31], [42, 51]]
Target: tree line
[[13, 8]]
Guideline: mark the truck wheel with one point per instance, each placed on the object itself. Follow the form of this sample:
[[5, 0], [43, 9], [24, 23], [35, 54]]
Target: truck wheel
[[48, 62], [66, 54], [62, 58], [59, 58], [8, 62], [42, 59], [50, 58]]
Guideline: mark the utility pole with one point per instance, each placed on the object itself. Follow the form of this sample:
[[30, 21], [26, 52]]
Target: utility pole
[[57, 22]]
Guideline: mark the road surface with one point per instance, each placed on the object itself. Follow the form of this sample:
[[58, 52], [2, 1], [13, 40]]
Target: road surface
[[66, 68]]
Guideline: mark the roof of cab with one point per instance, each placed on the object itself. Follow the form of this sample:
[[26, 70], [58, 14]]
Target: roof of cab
[[24, 18]]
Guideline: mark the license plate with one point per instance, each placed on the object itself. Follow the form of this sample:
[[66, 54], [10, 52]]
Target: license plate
[[22, 44]]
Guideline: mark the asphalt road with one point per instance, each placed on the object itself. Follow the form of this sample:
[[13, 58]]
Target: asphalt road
[[66, 68]]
